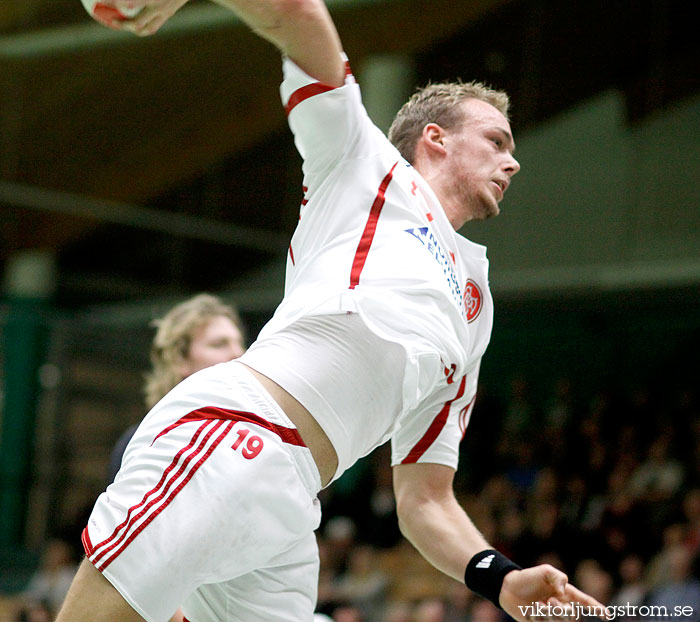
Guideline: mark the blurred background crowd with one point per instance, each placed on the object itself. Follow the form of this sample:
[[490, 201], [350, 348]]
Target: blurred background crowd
[[605, 486]]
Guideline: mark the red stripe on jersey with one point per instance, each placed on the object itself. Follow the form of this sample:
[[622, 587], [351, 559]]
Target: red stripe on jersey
[[435, 427], [315, 88], [363, 247], [304, 93], [464, 416], [288, 435], [160, 495], [291, 254]]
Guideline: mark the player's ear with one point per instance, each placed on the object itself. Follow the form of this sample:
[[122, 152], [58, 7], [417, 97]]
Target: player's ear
[[433, 137]]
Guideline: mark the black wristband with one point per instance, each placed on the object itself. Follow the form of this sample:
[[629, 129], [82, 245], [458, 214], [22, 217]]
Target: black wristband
[[485, 572]]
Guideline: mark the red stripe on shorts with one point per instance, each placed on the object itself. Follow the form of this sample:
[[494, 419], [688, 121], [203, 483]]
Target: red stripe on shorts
[[87, 544], [370, 227], [288, 435], [435, 427], [161, 495]]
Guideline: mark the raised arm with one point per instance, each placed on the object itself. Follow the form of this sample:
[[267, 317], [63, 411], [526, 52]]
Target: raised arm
[[300, 29], [432, 519]]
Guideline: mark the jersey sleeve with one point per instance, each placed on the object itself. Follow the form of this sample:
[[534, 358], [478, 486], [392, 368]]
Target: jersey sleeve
[[433, 435], [328, 123]]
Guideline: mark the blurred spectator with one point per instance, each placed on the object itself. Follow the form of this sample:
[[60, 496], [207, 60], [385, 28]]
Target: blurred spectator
[[193, 335], [545, 489], [523, 470], [49, 585], [399, 611], [575, 502], [348, 613], [483, 611], [659, 567], [558, 416], [544, 534], [628, 447], [429, 610], [499, 495], [633, 588], [511, 533], [363, 585], [458, 602], [376, 519], [326, 599], [559, 410], [659, 477], [339, 535], [593, 580], [679, 587], [197, 333], [617, 521], [589, 449]]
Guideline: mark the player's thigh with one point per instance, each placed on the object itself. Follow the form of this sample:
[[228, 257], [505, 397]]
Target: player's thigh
[[285, 591], [92, 598]]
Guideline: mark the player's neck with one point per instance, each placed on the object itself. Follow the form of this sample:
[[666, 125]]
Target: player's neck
[[451, 204], [444, 190]]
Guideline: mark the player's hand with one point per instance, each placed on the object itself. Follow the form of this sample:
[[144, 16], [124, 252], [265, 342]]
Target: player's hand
[[523, 590], [152, 15]]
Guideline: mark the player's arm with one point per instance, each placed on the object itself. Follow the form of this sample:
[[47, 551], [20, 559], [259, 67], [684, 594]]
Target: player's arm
[[431, 518], [434, 522], [300, 29]]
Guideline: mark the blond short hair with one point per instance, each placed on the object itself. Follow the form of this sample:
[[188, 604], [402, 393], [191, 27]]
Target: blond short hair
[[439, 103], [171, 343]]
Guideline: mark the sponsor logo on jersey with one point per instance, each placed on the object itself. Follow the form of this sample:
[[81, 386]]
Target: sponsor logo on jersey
[[426, 237], [473, 300]]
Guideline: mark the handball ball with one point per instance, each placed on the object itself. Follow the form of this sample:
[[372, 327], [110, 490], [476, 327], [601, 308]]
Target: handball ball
[[107, 13]]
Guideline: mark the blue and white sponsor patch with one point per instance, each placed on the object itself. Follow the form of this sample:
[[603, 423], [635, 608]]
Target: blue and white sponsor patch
[[426, 237]]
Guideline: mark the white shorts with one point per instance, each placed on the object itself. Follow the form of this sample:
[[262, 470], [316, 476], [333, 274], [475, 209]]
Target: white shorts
[[214, 508]]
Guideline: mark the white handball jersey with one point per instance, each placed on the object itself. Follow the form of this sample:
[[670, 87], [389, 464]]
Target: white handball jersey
[[373, 239]]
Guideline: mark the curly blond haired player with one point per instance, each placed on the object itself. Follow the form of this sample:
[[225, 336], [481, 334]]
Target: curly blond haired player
[[380, 335], [196, 333]]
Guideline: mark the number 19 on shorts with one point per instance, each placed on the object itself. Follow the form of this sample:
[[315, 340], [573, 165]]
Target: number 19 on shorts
[[253, 444]]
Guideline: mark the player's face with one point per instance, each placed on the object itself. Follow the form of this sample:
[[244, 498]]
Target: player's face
[[217, 341], [481, 161]]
